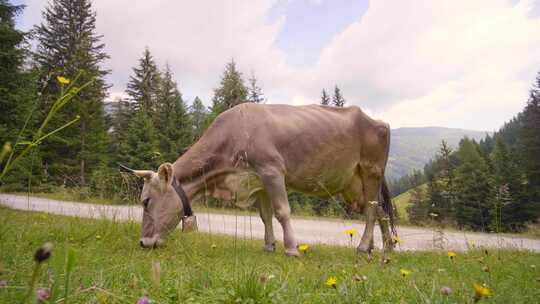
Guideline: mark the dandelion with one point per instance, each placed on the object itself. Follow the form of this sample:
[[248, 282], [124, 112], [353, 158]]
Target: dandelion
[[404, 272], [452, 255], [446, 291], [63, 80], [98, 237], [213, 246], [396, 239], [303, 248], [481, 291], [331, 282], [350, 232]]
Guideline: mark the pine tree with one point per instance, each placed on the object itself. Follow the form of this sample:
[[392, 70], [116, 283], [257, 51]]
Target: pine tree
[[140, 149], [325, 99], [255, 93], [17, 98], [198, 115], [338, 99], [68, 44], [231, 91], [14, 99], [143, 86], [172, 119], [120, 122], [530, 139], [474, 190]]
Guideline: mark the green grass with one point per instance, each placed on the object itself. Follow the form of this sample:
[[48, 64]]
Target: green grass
[[402, 201], [110, 267]]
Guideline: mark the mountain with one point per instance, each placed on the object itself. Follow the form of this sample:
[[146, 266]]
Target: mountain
[[412, 148]]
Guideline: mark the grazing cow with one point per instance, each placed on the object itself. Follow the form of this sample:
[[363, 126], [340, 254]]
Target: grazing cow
[[253, 152]]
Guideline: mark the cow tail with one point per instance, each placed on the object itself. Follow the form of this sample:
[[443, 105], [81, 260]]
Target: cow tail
[[387, 206]]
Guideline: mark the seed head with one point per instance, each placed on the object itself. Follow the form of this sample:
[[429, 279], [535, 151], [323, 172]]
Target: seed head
[[43, 253]]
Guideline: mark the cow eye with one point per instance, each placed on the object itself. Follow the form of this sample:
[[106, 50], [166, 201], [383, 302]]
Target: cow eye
[[145, 202]]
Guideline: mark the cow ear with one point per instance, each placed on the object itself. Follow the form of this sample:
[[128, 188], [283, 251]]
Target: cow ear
[[165, 173]]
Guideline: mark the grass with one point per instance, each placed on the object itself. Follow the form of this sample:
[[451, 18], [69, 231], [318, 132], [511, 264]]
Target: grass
[[403, 201], [108, 266]]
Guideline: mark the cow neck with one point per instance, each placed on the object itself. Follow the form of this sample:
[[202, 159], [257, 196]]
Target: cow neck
[[186, 205]]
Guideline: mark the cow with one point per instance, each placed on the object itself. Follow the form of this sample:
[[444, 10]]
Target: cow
[[252, 153]]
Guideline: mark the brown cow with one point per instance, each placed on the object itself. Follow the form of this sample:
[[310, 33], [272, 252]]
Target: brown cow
[[252, 152]]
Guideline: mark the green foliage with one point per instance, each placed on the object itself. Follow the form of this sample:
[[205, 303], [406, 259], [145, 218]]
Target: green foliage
[[66, 44], [325, 99], [231, 91], [198, 115], [255, 93], [171, 119], [141, 147], [337, 99], [144, 84]]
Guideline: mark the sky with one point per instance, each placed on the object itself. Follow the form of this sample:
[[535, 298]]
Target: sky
[[463, 63]]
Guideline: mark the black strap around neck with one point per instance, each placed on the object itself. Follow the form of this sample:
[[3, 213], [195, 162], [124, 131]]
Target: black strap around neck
[[186, 205]]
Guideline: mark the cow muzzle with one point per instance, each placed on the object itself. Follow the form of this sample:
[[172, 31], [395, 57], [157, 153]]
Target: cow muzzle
[[151, 242]]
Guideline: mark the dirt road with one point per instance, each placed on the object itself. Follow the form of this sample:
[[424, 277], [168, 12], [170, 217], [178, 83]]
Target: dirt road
[[307, 230]]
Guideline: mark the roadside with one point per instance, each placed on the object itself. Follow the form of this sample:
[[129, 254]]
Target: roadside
[[307, 230]]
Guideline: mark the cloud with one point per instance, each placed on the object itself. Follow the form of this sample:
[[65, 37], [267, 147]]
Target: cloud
[[455, 63], [436, 62], [196, 38]]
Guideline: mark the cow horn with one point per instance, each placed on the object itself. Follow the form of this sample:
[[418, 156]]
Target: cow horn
[[140, 173]]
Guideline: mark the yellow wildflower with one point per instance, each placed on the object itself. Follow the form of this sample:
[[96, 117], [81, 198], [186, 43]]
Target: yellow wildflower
[[404, 272], [332, 282], [303, 248], [452, 254], [350, 232], [396, 239], [98, 237], [63, 80], [213, 246], [481, 291]]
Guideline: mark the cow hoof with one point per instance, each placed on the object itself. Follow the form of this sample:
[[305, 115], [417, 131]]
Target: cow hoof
[[363, 249], [270, 247], [292, 252]]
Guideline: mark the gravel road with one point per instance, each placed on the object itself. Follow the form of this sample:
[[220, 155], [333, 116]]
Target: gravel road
[[309, 231]]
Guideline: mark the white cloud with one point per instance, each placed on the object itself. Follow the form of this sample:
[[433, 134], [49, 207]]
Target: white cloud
[[437, 62], [457, 63]]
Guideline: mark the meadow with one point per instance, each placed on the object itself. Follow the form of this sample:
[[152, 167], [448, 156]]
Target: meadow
[[101, 262]]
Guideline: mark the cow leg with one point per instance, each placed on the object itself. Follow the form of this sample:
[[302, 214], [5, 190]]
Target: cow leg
[[274, 184], [366, 242], [372, 184], [382, 218], [265, 210]]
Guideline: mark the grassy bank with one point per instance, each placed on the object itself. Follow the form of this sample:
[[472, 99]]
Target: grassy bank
[[110, 267]]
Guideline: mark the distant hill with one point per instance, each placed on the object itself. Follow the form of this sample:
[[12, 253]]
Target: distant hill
[[412, 148]]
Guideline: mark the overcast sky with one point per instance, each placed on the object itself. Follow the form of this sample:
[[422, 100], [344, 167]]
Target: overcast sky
[[460, 63]]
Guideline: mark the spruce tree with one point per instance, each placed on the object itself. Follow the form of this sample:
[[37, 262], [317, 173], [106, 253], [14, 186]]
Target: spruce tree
[[120, 122], [68, 44], [255, 93], [198, 114], [325, 99], [530, 139], [143, 85], [172, 119], [140, 150], [338, 99], [15, 99], [231, 91], [474, 188]]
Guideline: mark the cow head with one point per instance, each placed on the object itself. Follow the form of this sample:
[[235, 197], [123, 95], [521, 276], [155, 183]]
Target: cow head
[[162, 207]]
